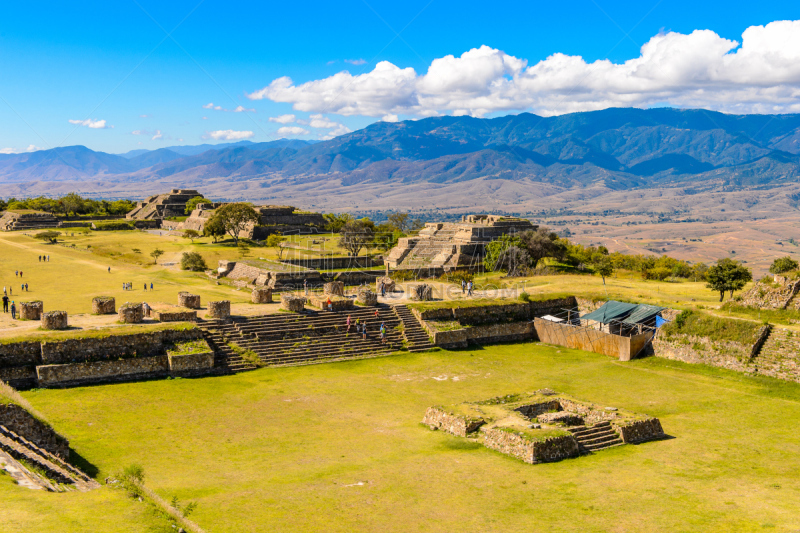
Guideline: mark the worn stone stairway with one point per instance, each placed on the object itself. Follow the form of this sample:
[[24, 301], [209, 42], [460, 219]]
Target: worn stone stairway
[[779, 356], [62, 475], [226, 361], [416, 337], [597, 437]]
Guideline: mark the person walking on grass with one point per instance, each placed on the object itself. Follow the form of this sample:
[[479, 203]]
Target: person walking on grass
[[469, 288], [145, 287], [463, 287], [13, 311], [109, 270], [5, 303], [40, 258], [151, 285]]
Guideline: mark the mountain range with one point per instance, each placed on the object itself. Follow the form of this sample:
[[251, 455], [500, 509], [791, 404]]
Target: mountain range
[[450, 162]]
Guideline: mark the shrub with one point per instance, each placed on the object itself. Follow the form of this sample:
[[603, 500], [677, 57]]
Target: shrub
[[113, 225], [193, 261], [49, 236], [524, 297], [275, 240]]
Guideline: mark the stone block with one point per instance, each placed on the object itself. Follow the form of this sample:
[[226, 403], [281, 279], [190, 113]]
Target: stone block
[[261, 295], [221, 309], [131, 313], [292, 303], [422, 292], [560, 417], [388, 284], [175, 315], [190, 301], [104, 305], [337, 303], [192, 364], [334, 288], [31, 310], [367, 297], [54, 320]]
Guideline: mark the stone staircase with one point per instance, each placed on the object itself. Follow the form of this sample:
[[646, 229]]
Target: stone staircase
[[61, 476], [597, 437], [416, 337], [314, 336], [779, 356]]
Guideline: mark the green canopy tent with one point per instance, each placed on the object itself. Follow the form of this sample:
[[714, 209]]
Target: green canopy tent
[[611, 311], [643, 313]]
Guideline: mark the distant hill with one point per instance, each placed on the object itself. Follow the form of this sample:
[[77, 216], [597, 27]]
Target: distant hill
[[603, 151]]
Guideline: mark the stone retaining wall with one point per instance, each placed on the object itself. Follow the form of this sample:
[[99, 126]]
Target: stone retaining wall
[[175, 316], [19, 377], [692, 349], [640, 431], [21, 422], [97, 371], [20, 353], [438, 418], [333, 263], [193, 364], [532, 452]]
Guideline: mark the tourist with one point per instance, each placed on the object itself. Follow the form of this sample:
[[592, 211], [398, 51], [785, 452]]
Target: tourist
[[348, 324], [383, 333], [463, 286], [469, 288], [377, 313], [383, 289], [330, 305], [305, 286], [20, 273], [22, 289], [146, 309], [364, 331], [4, 289], [109, 270], [26, 288], [151, 286], [5, 303], [145, 287], [48, 258], [16, 273], [40, 258], [13, 310]]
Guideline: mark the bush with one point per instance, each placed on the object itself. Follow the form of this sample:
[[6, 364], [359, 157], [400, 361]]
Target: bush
[[783, 264], [524, 297], [193, 261], [275, 240], [113, 225], [49, 236]]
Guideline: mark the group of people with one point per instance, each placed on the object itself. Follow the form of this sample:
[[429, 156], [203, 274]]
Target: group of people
[[466, 287], [45, 258], [361, 327], [5, 305], [128, 286]]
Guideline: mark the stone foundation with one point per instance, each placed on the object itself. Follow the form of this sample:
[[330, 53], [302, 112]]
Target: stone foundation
[[421, 292], [334, 288], [261, 296], [460, 426], [367, 297], [189, 301], [54, 320], [560, 417], [640, 431], [531, 451], [292, 303], [131, 313], [31, 310], [104, 305], [337, 303], [175, 315], [221, 309]]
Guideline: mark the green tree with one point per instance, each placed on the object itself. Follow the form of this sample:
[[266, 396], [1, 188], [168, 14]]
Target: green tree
[[192, 204], [334, 223], [235, 218], [603, 266], [275, 240], [72, 203], [727, 275], [699, 271], [495, 257], [783, 264], [541, 243], [355, 235], [214, 228], [193, 261], [49, 236], [658, 273], [155, 254], [190, 234]]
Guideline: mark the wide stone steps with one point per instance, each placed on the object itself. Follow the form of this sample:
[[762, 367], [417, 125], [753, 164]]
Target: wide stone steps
[[416, 337], [597, 437], [57, 469], [779, 356]]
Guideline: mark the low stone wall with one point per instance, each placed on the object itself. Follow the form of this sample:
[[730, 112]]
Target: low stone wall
[[24, 424], [367, 297], [54, 320], [532, 452], [640, 431], [335, 263], [438, 419], [702, 350], [20, 353], [221, 309], [535, 409], [486, 334], [337, 303], [194, 364], [131, 313], [174, 315], [261, 295], [292, 303], [31, 310], [189, 301], [499, 312], [19, 377], [590, 340], [104, 305], [98, 371], [333, 288]]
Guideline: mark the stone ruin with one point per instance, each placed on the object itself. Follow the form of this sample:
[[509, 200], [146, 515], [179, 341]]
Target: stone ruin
[[31, 310], [453, 245], [779, 293], [292, 303], [30, 221], [333, 288], [421, 292], [104, 305], [273, 219], [542, 426], [388, 284], [261, 295], [221, 309], [54, 320], [367, 297], [131, 313], [172, 204], [188, 300]]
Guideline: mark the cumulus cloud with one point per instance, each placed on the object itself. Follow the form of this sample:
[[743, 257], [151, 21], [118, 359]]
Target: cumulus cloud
[[760, 74], [283, 119], [320, 121], [30, 148], [157, 135], [211, 105], [356, 61], [237, 109], [390, 118], [93, 124], [7, 151], [228, 135], [292, 130]]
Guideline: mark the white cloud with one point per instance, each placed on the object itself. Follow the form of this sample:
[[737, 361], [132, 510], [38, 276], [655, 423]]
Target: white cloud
[[242, 109], [205, 118], [93, 124], [356, 61], [319, 121], [389, 118], [238, 109], [33, 148], [30, 148], [700, 69], [157, 135], [7, 151], [228, 135], [292, 130], [145, 116], [140, 132], [283, 119], [211, 105]]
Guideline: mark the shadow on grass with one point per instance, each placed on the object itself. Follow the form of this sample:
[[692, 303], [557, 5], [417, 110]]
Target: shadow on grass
[[80, 462]]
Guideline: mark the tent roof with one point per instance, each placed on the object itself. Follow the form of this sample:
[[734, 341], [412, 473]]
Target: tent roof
[[610, 311], [642, 313]]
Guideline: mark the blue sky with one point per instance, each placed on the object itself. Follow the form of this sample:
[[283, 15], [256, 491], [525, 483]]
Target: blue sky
[[90, 62]]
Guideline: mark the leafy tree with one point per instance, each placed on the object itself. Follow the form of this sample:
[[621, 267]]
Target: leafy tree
[[727, 275], [493, 260], [3, 205], [515, 261], [214, 228], [192, 204], [658, 273], [235, 218], [542, 243], [783, 264], [190, 234], [49, 236], [193, 261], [355, 235], [334, 223], [602, 265], [275, 240], [403, 223], [120, 207], [72, 203], [155, 254], [699, 271]]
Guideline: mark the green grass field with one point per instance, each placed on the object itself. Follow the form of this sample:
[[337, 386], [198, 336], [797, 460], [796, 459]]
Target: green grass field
[[340, 447]]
